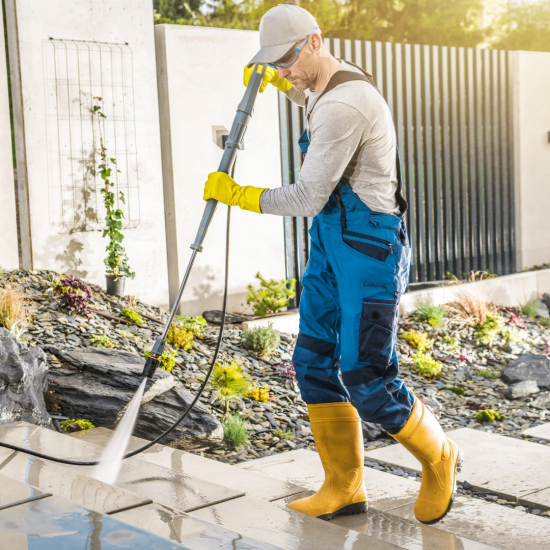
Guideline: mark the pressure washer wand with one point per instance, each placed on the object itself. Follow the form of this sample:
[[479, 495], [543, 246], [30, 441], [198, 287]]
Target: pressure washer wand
[[232, 145]]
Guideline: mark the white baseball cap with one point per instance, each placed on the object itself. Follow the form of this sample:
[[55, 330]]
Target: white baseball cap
[[280, 28]]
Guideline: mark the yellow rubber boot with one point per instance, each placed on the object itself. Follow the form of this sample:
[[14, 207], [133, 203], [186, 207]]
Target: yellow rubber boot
[[337, 431], [440, 458]]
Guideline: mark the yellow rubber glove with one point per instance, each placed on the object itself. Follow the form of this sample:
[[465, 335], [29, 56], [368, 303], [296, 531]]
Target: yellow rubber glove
[[271, 76], [224, 188]]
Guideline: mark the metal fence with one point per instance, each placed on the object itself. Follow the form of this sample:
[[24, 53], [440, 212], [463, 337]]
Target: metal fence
[[452, 113]]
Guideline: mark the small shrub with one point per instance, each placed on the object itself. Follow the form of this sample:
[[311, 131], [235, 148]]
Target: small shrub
[[488, 415], [101, 341], [74, 294], [133, 316], [487, 373], [258, 394], [530, 308], [167, 359], [272, 296], [471, 308], [229, 382], [235, 431], [487, 331], [426, 365], [433, 315], [545, 322], [262, 340], [456, 391], [74, 425], [512, 334], [180, 337], [450, 342], [419, 340], [14, 309], [284, 435], [194, 325]]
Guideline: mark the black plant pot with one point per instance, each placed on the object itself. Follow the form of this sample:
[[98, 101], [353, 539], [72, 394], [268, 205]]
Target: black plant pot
[[114, 287]]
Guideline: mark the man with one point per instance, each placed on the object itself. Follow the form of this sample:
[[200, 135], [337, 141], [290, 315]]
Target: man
[[345, 358]]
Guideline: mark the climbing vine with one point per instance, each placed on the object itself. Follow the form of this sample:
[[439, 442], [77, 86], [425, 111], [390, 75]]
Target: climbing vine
[[117, 259]]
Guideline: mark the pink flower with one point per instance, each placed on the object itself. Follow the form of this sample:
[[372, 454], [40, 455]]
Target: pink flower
[[465, 356]]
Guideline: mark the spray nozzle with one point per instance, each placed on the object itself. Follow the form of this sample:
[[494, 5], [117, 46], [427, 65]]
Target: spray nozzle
[[152, 362]]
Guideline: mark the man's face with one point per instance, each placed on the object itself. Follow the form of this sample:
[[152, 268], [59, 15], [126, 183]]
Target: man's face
[[302, 73]]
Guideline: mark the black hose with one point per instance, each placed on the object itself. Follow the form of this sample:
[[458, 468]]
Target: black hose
[[199, 393]]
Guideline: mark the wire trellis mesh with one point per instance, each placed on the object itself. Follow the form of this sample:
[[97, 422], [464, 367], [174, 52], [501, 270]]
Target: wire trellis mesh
[[76, 73]]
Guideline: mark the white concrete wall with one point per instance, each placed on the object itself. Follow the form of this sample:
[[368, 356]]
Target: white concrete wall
[[200, 85], [532, 156], [8, 224], [30, 25]]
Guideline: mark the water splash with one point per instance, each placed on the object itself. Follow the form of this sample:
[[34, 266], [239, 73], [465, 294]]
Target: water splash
[[111, 461]]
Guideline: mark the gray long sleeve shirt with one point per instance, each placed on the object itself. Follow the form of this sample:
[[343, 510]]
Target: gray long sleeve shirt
[[352, 135]]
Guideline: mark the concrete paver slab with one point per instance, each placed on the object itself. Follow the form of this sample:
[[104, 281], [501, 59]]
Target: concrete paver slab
[[542, 431], [164, 486], [12, 491], [400, 531], [286, 529], [494, 462], [254, 484], [194, 533], [77, 488], [56, 523], [304, 468]]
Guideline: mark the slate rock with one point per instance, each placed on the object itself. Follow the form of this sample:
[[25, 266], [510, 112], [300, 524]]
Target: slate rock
[[215, 316], [546, 299], [23, 382], [372, 432], [97, 384], [521, 389], [529, 367]]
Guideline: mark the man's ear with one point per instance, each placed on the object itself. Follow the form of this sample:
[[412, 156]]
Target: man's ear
[[315, 43]]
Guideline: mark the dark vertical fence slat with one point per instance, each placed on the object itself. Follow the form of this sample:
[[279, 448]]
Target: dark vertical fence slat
[[452, 114]]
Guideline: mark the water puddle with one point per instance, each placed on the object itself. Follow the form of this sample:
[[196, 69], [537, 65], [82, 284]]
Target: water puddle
[[111, 461]]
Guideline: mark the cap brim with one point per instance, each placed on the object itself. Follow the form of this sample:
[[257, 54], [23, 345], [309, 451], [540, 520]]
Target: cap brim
[[270, 54]]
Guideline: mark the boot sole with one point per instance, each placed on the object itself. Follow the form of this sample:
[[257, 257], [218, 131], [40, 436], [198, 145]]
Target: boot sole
[[458, 468], [349, 510]]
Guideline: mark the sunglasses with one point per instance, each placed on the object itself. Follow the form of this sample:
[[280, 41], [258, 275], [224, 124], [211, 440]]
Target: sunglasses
[[291, 57]]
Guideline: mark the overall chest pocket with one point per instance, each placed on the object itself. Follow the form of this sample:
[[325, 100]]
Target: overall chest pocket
[[378, 331], [375, 247]]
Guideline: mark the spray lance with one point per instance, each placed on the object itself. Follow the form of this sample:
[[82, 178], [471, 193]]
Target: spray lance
[[233, 144]]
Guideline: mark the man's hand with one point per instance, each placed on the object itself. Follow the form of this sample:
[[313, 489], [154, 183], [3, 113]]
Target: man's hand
[[225, 189], [271, 76]]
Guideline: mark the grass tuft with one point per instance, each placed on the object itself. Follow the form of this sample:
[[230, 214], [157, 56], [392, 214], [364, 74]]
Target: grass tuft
[[530, 308], [235, 431], [471, 308], [433, 315], [14, 310]]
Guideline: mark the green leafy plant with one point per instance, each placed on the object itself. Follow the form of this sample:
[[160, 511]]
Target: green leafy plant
[[488, 330], [284, 435], [433, 315], [426, 365], [487, 373], [133, 316], [456, 391], [117, 259], [450, 342], [76, 425], [258, 394], [512, 334], [229, 383], [272, 296], [262, 340], [488, 415], [179, 337], [194, 325], [545, 322], [235, 432], [419, 340], [101, 341], [530, 308], [167, 359]]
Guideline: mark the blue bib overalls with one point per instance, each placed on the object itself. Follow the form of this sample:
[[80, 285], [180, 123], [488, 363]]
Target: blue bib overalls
[[357, 270]]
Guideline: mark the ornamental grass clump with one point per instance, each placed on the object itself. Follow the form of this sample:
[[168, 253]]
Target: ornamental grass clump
[[76, 425], [167, 359], [530, 308], [488, 415], [433, 315], [426, 365], [133, 316], [101, 341], [235, 432], [14, 310], [229, 383], [489, 329], [272, 296], [419, 340], [74, 294], [470, 308], [262, 340]]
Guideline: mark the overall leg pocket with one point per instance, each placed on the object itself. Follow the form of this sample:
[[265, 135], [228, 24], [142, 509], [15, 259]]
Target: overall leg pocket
[[369, 245], [377, 330]]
